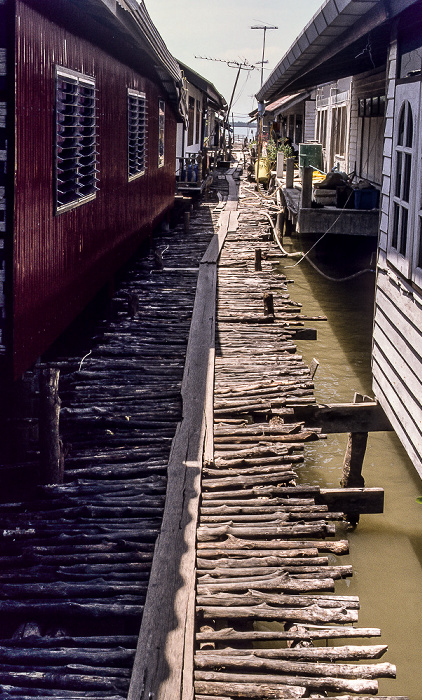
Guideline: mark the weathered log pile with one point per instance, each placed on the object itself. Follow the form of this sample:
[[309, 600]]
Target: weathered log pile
[[267, 557], [75, 560]]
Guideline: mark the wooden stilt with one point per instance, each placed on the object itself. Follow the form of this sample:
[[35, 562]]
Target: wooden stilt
[[289, 172], [313, 367], [258, 259], [51, 459], [268, 304], [306, 198]]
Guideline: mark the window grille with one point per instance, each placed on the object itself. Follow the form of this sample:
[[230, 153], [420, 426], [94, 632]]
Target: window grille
[[76, 155], [137, 125]]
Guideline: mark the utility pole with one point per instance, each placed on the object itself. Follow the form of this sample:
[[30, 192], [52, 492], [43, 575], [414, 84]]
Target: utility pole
[[232, 64], [264, 27]]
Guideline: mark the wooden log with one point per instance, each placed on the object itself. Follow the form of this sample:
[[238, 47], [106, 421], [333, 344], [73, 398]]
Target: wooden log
[[51, 457], [268, 304], [279, 583], [258, 259], [245, 689], [250, 560], [306, 195], [313, 368], [229, 634], [73, 681], [255, 597], [207, 534], [257, 663], [314, 614], [233, 542], [342, 653], [331, 684], [290, 164], [279, 477]]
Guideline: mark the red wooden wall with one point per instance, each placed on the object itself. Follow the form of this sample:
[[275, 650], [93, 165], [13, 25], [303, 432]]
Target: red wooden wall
[[62, 260]]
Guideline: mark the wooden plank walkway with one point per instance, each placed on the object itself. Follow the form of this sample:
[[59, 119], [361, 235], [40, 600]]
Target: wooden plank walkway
[[75, 558], [265, 585], [266, 552]]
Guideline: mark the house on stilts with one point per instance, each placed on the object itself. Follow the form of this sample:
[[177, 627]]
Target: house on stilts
[[364, 59]]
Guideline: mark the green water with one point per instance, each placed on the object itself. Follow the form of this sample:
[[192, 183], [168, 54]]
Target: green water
[[386, 549]]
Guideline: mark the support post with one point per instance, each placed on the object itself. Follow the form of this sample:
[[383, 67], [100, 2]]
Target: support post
[[306, 198], [353, 462], [51, 454], [258, 260], [290, 167], [268, 304], [186, 221], [280, 164], [280, 224]]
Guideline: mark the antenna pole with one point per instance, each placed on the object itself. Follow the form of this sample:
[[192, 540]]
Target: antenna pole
[[264, 27], [232, 64]]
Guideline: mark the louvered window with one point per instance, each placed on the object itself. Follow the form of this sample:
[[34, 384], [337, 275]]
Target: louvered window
[[76, 154], [137, 125]]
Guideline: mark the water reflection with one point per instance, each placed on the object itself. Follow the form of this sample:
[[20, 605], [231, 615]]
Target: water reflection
[[385, 550]]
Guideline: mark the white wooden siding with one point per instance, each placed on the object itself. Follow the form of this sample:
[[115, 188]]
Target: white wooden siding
[[309, 125]]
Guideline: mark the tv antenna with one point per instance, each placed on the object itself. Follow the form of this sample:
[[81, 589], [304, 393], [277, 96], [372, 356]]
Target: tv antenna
[[240, 65], [264, 27]]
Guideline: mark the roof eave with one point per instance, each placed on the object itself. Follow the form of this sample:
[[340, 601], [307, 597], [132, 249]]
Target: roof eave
[[336, 26]]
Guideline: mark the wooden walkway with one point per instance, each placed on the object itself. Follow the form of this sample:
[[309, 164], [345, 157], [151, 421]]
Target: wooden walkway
[[266, 548], [75, 558]]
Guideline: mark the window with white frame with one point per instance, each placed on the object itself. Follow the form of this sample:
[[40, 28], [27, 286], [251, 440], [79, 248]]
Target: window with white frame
[[198, 122], [76, 174], [161, 132], [339, 131], [137, 127], [191, 120], [404, 244], [321, 126]]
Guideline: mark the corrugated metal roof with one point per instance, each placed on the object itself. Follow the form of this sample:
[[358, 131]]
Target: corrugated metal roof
[[131, 19], [334, 44], [330, 21], [203, 84]]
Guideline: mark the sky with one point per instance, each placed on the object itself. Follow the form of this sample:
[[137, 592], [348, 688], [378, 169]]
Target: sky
[[221, 29]]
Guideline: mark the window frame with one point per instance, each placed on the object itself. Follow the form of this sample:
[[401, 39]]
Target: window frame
[[191, 121], [339, 131], [404, 262], [137, 134], [78, 112]]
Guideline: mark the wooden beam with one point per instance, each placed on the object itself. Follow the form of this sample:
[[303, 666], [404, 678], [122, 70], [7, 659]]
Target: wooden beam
[[345, 417], [348, 500], [163, 666]]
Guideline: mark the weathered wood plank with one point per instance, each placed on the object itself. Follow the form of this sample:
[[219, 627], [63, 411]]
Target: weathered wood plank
[[346, 417], [157, 668]]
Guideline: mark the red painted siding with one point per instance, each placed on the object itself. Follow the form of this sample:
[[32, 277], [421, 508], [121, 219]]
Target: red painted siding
[[61, 260]]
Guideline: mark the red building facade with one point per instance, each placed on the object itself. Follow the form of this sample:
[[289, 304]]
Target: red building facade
[[91, 180]]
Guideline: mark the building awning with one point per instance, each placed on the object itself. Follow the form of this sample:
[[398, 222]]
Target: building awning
[[345, 37]]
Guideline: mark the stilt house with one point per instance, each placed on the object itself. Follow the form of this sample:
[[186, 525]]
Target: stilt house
[[90, 98], [198, 139], [380, 45]]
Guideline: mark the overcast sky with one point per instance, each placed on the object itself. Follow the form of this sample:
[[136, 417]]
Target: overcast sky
[[221, 29]]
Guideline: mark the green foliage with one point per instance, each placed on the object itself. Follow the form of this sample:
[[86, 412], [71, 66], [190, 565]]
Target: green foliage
[[419, 500], [274, 147]]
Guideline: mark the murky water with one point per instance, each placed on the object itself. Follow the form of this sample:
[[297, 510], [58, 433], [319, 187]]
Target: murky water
[[386, 549]]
